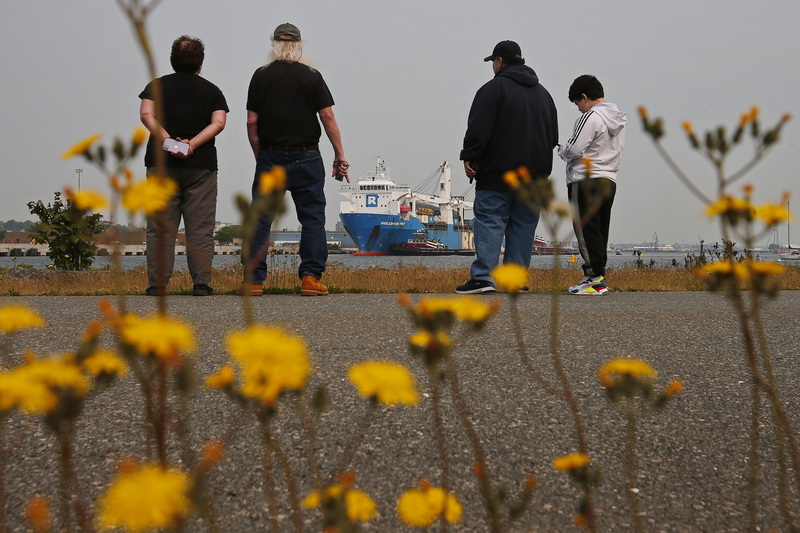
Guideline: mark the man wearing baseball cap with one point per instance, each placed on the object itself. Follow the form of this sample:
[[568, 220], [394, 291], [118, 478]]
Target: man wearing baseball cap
[[512, 123], [284, 101]]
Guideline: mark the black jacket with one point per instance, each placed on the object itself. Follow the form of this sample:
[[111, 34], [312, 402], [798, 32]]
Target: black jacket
[[512, 123]]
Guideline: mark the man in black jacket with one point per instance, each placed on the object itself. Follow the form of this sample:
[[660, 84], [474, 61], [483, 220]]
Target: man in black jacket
[[512, 123]]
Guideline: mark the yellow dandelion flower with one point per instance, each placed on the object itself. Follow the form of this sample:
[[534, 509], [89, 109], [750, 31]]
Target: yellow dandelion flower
[[404, 300], [59, 373], [150, 196], [428, 340], [587, 165], [471, 309], [674, 388], [37, 511], [18, 390], [510, 277], [766, 268], [625, 368], [512, 179], [786, 117], [14, 317], [445, 504], [389, 383], [360, 507], [725, 268], [642, 110], [86, 200], [272, 361], [415, 509], [163, 337], [82, 147], [34, 386], [273, 181], [754, 111], [93, 330], [687, 127], [423, 506], [772, 214], [105, 363], [727, 205], [145, 498], [524, 174], [222, 379], [139, 136], [466, 308], [573, 461], [743, 120], [312, 501]]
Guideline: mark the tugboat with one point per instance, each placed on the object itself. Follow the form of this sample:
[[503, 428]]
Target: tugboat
[[422, 245], [378, 213]]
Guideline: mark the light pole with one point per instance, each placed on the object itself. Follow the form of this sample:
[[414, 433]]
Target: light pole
[[79, 171]]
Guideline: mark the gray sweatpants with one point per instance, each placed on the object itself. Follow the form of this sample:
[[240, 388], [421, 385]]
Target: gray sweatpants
[[195, 201]]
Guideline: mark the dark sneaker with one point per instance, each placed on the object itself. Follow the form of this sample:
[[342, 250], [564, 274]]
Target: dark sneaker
[[252, 290], [475, 286], [311, 286], [202, 290], [152, 290]]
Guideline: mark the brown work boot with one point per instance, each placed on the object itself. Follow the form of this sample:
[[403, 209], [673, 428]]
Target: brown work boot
[[311, 286], [252, 290]]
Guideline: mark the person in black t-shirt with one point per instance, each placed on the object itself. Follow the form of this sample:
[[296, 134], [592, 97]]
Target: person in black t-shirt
[[284, 99], [194, 112]]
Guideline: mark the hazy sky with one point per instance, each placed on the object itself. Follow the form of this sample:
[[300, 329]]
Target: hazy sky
[[403, 75]]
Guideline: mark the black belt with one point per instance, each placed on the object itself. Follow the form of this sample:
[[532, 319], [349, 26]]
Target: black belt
[[276, 148]]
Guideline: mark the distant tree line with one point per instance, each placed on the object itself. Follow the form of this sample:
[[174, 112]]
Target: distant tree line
[[33, 227]]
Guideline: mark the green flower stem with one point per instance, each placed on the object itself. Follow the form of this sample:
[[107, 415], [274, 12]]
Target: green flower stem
[[569, 396], [630, 467], [355, 441], [3, 522], [754, 457], [269, 483], [69, 486], [310, 427], [783, 428], [272, 444], [438, 429], [161, 416], [523, 352], [182, 430], [484, 479], [681, 176]]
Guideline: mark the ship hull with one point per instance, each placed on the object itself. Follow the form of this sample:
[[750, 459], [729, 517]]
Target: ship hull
[[375, 234]]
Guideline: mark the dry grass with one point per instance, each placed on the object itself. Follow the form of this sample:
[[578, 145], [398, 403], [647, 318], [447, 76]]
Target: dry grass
[[403, 278]]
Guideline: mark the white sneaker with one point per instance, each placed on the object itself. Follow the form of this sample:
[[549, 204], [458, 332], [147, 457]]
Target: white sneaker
[[590, 286]]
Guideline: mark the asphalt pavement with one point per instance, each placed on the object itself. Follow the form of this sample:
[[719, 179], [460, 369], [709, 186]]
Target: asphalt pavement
[[693, 456]]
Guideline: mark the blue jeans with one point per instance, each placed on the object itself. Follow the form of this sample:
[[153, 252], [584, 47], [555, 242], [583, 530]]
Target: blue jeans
[[305, 180], [499, 215]]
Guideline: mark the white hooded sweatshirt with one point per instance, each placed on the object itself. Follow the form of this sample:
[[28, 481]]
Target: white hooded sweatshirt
[[599, 135]]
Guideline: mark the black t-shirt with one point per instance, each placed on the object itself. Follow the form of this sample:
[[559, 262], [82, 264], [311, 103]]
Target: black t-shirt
[[287, 98], [189, 102]]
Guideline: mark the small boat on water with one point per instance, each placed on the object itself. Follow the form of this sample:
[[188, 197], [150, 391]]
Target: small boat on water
[[793, 253], [422, 245], [542, 247]]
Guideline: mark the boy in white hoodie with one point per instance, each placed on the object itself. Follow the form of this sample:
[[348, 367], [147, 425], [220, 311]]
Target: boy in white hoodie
[[592, 155]]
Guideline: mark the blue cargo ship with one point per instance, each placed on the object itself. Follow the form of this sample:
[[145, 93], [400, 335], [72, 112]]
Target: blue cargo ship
[[379, 214]]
